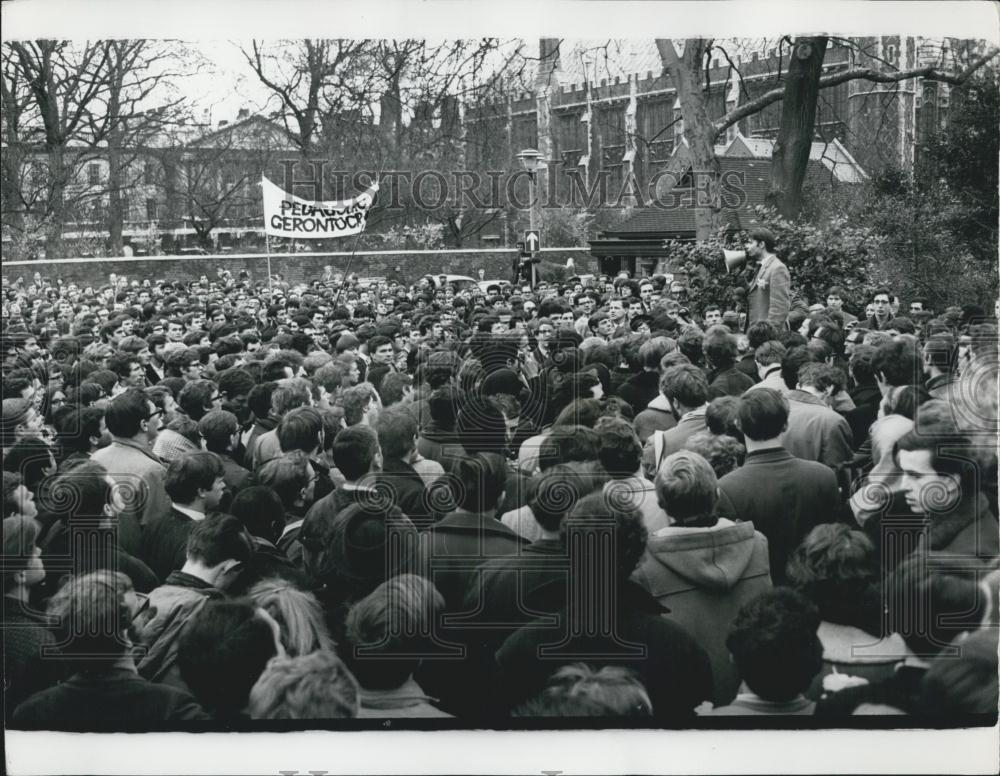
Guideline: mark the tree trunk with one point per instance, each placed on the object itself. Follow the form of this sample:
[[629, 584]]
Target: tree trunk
[[56, 206], [798, 118], [116, 202], [699, 131]]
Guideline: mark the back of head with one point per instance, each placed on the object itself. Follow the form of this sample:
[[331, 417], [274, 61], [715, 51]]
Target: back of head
[[289, 394], [221, 653], [260, 510], [444, 403], [763, 414], [898, 362], [189, 474], [687, 489], [217, 429], [288, 475], [314, 686], [769, 352], [555, 491], [81, 493], [567, 444], [952, 604], [92, 616], [722, 414], [774, 644], [651, 352], [719, 346], [300, 429], [724, 453], [387, 630], [579, 690], [478, 482], [620, 451], [218, 538], [297, 612], [482, 427], [835, 568], [760, 332], [397, 431], [794, 359], [354, 451], [595, 513], [941, 351], [126, 412], [685, 384]]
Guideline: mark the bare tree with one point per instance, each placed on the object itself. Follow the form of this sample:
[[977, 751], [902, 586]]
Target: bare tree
[[218, 174], [702, 132], [69, 106], [306, 77]]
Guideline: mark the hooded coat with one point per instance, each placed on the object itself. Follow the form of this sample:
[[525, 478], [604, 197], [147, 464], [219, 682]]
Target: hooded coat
[[658, 416], [703, 576]]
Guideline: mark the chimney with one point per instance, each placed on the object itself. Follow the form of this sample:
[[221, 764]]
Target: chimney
[[548, 57], [243, 114]]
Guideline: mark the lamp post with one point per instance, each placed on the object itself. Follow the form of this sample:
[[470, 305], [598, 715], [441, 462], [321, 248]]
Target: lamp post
[[531, 161]]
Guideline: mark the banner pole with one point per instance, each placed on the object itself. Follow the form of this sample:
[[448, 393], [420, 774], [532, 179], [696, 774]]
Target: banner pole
[[267, 250]]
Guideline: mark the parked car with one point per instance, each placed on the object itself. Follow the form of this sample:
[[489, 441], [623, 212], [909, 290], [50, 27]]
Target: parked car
[[484, 285], [459, 282]]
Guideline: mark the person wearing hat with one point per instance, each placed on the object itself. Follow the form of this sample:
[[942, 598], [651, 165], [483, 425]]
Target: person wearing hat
[[641, 324]]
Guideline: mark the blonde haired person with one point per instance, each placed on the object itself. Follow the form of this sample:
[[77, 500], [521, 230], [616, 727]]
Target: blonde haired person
[[297, 613]]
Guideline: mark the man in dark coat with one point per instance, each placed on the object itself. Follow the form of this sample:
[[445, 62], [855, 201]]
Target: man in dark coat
[[106, 693], [397, 436], [672, 667], [783, 496], [454, 548], [962, 531], [866, 394], [196, 486], [724, 379], [641, 389]]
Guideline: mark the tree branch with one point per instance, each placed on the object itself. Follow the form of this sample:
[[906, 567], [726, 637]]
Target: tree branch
[[866, 73]]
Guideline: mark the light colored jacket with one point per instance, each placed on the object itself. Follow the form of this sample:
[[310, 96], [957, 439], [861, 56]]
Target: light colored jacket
[[172, 606], [139, 475], [815, 432], [703, 576], [769, 293]]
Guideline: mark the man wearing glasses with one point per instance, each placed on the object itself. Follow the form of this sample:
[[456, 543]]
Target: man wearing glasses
[[133, 422], [544, 333], [881, 311]]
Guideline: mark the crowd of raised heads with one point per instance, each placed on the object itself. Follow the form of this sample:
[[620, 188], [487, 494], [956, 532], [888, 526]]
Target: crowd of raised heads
[[228, 502]]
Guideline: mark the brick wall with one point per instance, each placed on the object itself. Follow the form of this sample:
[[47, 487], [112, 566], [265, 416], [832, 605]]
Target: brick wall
[[294, 268]]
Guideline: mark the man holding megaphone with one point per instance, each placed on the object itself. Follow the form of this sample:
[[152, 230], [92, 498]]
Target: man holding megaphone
[[769, 293]]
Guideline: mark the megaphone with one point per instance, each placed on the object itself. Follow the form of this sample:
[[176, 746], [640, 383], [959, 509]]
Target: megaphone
[[734, 259]]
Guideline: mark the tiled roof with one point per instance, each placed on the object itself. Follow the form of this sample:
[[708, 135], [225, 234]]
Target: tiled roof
[[833, 156]]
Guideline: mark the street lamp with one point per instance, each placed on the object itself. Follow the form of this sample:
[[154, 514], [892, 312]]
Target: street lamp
[[531, 160]]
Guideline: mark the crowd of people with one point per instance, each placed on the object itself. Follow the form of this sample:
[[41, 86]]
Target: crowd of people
[[227, 501]]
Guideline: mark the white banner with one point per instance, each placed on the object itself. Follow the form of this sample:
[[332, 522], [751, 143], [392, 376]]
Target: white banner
[[286, 215]]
